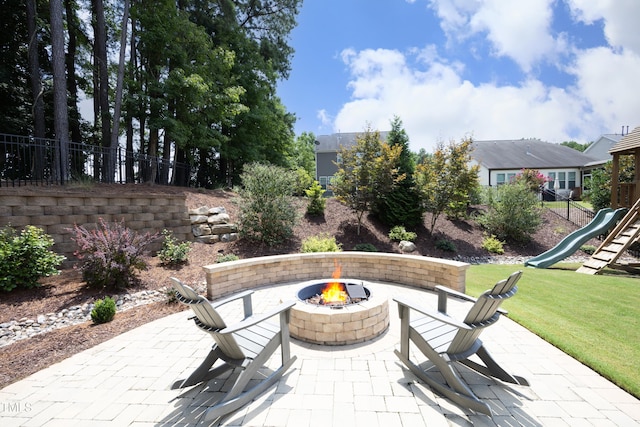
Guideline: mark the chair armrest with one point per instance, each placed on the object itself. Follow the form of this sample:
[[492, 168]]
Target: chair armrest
[[443, 292], [246, 296], [437, 315], [254, 320]]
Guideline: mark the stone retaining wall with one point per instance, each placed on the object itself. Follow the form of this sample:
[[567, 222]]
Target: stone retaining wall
[[417, 271], [56, 212]]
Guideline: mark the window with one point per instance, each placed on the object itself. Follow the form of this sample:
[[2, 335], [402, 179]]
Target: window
[[572, 180], [511, 177], [552, 180], [500, 179], [562, 180], [323, 182]]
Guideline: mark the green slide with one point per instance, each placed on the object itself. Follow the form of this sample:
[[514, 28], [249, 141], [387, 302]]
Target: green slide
[[603, 221]]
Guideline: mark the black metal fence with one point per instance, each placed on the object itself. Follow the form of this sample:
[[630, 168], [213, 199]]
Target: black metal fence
[[566, 208], [25, 160]]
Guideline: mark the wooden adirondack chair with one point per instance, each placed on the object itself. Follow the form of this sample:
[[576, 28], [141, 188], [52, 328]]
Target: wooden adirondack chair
[[246, 345], [446, 341]]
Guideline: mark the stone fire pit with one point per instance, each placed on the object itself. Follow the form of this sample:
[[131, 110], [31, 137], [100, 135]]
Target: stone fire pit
[[350, 323]]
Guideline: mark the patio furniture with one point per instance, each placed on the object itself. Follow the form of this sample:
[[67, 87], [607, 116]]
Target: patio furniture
[[446, 341], [246, 345]]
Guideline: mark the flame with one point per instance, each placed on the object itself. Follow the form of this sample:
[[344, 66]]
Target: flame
[[334, 292]]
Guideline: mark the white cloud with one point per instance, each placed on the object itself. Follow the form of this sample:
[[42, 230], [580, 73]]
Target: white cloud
[[436, 104], [607, 80], [620, 20], [519, 30]]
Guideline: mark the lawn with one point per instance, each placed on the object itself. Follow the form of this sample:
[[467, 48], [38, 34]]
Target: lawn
[[595, 319]]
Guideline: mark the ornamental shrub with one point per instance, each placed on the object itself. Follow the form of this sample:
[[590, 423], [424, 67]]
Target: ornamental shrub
[[493, 244], [446, 245], [365, 247], [111, 254], [513, 212], [226, 258], [172, 252], [103, 310], [317, 203], [399, 233], [25, 257], [320, 243], [267, 210]]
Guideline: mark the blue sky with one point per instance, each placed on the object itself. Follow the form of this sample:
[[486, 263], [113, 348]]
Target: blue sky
[[556, 70]]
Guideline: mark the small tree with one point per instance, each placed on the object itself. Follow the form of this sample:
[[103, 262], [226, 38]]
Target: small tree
[[401, 206], [267, 211], [445, 180], [317, 202], [532, 179], [367, 169], [513, 212]]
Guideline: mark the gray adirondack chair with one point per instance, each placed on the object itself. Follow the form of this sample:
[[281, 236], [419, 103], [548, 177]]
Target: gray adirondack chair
[[246, 345], [446, 341]]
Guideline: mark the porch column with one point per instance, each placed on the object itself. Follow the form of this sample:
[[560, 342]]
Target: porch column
[[615, 178]]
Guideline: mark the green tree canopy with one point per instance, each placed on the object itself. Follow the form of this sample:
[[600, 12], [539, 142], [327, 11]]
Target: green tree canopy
[[367, 168], [445, 180]]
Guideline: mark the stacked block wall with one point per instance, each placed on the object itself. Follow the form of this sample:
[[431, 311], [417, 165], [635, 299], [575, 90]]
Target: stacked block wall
[[57, 212]]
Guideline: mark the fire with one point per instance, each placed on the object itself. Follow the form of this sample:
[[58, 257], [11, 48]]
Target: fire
[[334, 292]]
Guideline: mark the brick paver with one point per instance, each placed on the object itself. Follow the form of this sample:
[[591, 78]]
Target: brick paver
[[125, 382]]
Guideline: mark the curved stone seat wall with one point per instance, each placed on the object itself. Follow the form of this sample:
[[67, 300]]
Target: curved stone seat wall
[[416, 271]]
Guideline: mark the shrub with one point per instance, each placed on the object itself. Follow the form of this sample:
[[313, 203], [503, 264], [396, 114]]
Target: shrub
[[172, 252], [493, 244], [103, 310], [513, 212], [320, 243], [267, 211], [446, 245], [226, 258], [365, 247], [588, 249], [317, 203], [111, 254], [399, 233], [25, 257]]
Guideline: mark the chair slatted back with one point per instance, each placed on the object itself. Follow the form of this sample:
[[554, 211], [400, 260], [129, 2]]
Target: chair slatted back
[[208, 319], [483, 313]]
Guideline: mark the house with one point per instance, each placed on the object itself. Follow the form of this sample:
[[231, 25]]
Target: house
[[327, 147], [501, 160]]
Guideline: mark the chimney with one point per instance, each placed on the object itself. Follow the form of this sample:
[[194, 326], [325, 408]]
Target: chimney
[[622, 130]]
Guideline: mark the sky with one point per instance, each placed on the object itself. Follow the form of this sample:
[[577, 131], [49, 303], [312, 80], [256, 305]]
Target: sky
[[557, 70]]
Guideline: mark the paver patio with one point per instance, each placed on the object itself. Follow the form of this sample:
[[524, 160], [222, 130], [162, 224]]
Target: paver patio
[[125, 382]]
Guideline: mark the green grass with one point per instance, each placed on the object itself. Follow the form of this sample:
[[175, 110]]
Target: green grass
[[594, 319]]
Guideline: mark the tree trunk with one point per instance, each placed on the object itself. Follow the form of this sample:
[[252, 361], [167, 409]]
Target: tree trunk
[[118, 101], [61, 118], [77, 161], [100, 50], [37, 110]]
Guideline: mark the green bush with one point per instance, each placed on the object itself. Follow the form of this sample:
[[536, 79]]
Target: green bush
[[513, 212], [493, 244], [446, 245], [365, 247], [226, 258], [172, 252], [25, 257], [588, 249], [267, 211], [111, 254], [399, 233], [320, 243], [103, 310], [317, 202]]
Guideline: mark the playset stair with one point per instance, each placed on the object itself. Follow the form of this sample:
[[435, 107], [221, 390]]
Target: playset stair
[[621, 237]]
